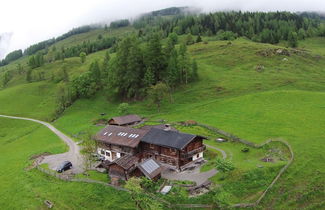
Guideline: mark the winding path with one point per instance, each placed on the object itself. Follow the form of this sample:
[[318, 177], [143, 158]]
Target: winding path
[[224, 154], [73, 155]]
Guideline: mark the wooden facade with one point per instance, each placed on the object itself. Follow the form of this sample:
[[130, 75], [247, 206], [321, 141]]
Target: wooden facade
[[126, 147], [171, 156]]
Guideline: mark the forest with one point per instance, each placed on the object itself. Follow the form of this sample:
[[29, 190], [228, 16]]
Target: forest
[[270, 27]]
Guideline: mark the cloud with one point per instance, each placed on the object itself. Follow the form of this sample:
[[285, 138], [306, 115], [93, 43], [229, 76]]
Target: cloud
[[36, 20]]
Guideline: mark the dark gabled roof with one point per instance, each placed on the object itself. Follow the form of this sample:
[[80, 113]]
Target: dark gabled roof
[[171, 139], [150, 168], [126, 162], [123, 136], [124, 120]]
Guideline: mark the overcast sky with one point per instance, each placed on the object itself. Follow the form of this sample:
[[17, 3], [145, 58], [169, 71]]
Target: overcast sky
[[23, 23]]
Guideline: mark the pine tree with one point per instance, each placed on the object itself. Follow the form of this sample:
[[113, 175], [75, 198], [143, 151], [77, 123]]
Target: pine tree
[[157, 93], [293, 39], [105, 66], [184, 65], [82, 56], [127, 68], [189, 39], [154, 57], [172, 70], [171, 42], [95, 72], [198, 39], [149, 78], [32, 62]]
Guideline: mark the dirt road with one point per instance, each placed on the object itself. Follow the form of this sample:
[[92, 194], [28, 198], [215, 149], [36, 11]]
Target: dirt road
[[73, 155]]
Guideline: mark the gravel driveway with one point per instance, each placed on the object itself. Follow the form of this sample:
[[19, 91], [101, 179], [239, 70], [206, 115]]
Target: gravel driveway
[[73, 155]]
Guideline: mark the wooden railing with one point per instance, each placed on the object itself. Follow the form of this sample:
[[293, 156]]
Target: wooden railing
[[195, 151]]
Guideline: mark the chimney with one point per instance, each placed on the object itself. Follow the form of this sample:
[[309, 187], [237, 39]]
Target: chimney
[[167, 127]]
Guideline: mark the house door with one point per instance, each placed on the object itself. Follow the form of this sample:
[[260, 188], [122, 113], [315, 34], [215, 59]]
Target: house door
[[113, 156]]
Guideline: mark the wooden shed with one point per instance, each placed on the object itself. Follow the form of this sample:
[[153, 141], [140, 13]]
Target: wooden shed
[[123, 167], [125, 120]]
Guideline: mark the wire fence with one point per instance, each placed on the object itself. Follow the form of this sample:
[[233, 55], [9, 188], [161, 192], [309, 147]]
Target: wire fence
[[70, 177], [251, 144]]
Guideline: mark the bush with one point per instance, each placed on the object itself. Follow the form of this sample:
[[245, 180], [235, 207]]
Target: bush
[[224, 165], [226, 35], [123, 108], [245, 149]]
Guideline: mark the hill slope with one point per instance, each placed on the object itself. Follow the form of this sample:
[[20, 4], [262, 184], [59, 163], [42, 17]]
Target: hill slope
[[240, 90]]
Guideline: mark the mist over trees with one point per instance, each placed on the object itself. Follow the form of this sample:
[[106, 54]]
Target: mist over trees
[[270, 27], [264, 27]]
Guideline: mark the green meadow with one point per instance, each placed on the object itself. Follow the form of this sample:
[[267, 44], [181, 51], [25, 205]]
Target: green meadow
[[285, 100], [24, 188]]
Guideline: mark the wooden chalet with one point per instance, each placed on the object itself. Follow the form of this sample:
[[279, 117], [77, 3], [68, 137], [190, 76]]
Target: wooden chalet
[[129, 150], [125, 120], [173, 148]]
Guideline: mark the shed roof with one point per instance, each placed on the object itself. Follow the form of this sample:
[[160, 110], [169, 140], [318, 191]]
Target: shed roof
[[124, 120], [170, 138], [126, 162], [123, 136], [150, 168]]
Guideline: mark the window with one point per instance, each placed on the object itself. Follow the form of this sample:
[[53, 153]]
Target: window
[[108, 154], [198, 155], [102, 152], [151, 146]]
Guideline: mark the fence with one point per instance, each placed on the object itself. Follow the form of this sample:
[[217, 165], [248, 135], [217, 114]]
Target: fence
[[237, 139], [218, 131], [70, 177]]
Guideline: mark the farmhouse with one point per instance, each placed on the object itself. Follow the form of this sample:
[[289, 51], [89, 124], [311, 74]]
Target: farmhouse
[[172, 148], [127, 149], [125, 120]]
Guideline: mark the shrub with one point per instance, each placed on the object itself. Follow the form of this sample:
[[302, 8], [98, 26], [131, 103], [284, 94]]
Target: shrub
[[245, 149], [123, 108], [224, 165]]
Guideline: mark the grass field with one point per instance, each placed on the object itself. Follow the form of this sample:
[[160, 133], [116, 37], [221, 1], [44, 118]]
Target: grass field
[[27, 189], [286, 100]]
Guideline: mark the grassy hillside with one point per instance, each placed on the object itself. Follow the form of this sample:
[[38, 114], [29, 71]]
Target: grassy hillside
[[28, 189], [240, 90]]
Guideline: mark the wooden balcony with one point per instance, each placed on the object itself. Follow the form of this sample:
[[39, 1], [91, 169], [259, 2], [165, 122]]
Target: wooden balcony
[[193, 152]]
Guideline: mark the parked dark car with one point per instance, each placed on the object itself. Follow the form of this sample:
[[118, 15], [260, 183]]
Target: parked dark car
[[65, 165]]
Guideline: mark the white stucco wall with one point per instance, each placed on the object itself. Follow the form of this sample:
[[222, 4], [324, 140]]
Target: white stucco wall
[[197, 156], [105, 156]]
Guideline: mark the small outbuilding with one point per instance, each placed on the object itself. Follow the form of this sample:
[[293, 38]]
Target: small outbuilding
[[123, 168], [151, 169], [125, 120]]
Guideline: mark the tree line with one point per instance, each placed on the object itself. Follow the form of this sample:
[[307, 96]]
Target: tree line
[[43, 45], [268, 27], [11, 57], [137, 71], [137, 68]]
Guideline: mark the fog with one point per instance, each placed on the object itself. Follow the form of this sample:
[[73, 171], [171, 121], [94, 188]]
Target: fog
[[23, 23]]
